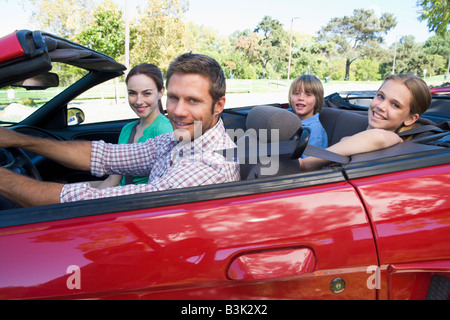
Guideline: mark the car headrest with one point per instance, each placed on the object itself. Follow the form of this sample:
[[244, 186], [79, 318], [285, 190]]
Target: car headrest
[[268, 117]]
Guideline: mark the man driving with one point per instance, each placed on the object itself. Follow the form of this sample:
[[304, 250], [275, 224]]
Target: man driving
[[184, 158]]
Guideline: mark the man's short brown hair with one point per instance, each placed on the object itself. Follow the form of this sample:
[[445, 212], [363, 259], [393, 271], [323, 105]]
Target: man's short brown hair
[[191, 63]]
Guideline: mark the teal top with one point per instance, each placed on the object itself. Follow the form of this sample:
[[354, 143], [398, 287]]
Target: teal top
[[161, 125]]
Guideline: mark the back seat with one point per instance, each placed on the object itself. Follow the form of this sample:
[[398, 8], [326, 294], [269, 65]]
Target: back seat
[[340, 123]]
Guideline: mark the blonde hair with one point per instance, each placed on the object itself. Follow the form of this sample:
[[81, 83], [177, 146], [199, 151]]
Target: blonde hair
[[309, 84]]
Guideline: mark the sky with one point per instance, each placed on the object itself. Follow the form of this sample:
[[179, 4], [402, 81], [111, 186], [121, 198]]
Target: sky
[[230, 15]]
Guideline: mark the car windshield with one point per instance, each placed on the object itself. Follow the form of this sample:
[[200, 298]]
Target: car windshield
[[17, 103]]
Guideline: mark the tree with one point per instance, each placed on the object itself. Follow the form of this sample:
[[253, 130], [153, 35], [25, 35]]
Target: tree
[[106, 33], [247, 42], [204, 40], [367, 69], [357, 36], [272, 44], [243, 54], [309, 56], [64, 18], [239, 66], [437, 14], [439, 45], [412, 58], [160, 32]]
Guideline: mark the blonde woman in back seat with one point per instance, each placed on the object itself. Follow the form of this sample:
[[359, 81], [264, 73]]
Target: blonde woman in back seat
[[396, 107]]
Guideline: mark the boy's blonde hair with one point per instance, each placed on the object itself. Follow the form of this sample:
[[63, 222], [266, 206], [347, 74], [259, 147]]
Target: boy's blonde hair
[[309, 84]]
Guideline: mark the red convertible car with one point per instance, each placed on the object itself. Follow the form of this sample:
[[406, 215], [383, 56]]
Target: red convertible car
[[376, 226], [442, 90]]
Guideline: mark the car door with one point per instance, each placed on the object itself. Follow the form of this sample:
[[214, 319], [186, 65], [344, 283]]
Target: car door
[[296, 237], [409, 207]]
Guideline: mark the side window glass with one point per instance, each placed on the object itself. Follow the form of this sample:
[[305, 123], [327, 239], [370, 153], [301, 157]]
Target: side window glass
[[105, 102]]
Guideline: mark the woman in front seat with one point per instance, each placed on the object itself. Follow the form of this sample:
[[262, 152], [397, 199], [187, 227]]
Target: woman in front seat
[[396, 107], [145, 86]]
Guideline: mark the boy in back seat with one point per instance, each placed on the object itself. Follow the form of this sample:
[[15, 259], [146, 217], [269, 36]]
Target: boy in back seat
[[306, 100]]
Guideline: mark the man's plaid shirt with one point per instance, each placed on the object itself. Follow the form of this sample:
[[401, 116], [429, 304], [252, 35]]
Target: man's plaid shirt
[[168, 164]]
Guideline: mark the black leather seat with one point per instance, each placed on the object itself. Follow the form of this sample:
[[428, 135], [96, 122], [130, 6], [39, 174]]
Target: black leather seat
[[340, 123], [273, 142]]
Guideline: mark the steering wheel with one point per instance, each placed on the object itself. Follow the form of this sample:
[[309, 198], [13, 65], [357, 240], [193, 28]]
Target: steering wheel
[[16, 160], [23, 164]]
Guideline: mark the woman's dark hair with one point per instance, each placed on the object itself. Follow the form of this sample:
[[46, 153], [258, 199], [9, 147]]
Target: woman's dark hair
[[151, 71]]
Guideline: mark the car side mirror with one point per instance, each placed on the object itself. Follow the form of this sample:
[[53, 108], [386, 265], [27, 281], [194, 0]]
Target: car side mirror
[[75, 116]]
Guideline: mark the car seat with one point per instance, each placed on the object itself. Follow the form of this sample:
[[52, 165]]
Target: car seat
[[340, 123], [273, 143]]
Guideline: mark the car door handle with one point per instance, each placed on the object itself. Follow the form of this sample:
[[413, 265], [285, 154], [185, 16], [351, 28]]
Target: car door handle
[[272, 264]]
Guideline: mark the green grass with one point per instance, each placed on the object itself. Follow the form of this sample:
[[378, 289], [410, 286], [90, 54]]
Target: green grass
[[107, 90], [256, 86], [104, 91]]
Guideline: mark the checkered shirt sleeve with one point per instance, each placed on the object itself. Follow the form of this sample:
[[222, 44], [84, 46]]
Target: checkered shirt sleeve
[[196, 164]]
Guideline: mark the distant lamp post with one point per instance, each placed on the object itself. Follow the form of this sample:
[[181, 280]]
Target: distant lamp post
[[448, 68], [395, 54], [127, 34], [290, 49]]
